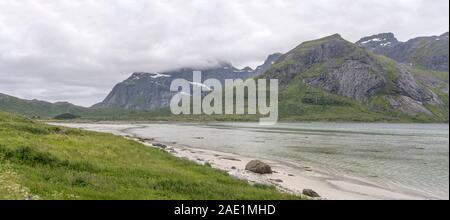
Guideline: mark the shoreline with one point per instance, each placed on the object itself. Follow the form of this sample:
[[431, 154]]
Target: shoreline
[[282, 121], [286, 178]]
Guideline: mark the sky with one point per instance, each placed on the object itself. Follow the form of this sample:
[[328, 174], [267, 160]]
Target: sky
[[76, 51]]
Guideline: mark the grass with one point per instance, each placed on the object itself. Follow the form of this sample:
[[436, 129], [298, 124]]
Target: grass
[[36, 108], [299, 102], [391, 73], [424, 50], [39, 161]]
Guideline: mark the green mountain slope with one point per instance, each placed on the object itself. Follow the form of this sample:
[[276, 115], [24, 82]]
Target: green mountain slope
[[39, 161], [37, 108], [429, 53], [333, 79]]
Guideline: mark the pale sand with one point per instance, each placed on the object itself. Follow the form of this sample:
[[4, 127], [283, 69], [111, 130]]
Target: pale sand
[[286, 178]]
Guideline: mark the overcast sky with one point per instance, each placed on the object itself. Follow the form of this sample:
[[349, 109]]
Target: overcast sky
[[77, 50]]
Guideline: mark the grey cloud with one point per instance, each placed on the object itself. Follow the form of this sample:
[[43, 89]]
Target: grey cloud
[[77, 50]]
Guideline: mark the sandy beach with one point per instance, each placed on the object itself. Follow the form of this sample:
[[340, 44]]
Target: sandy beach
[[292, 179]]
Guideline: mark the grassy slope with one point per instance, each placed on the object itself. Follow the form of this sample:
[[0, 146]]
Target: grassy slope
[[425, 49], [42, 109], [306, 103], [47, 162], [301, 102], [36, 108]]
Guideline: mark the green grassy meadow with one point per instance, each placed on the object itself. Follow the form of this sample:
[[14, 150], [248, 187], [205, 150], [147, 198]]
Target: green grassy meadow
[[39, 161]]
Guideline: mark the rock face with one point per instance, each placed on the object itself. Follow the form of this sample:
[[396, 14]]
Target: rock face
[[425, 52], [407, 105], [354, 79], [306, 55], [342, 68], [271, 59], [407, 86], [379, 43], [150, 91], [310, 193], [257, 166], [141, 91]]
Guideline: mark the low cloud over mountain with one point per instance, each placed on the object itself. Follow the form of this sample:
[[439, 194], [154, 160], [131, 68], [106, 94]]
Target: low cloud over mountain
[[77, 50]]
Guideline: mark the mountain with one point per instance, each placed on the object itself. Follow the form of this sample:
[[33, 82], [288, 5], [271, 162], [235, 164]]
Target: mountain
[[37, 108], [150, 91], [324, 79], [423, 52], [334, 79], [271, 59]]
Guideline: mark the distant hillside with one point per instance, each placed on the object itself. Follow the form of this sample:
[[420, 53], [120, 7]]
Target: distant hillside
[[47, 110], [423, 52], [37, 108]]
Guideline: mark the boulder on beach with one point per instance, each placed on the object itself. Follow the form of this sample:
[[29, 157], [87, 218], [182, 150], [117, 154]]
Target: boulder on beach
[[145, 139], [163, 146], [277, 180], [310, 193], [257, 166]]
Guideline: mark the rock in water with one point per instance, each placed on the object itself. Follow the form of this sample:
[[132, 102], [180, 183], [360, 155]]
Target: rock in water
[[310, 193], [257, 166]]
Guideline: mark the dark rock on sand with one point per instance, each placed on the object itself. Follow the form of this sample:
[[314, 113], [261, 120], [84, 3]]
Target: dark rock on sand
[[277, 180], [308, 169], [163, 146], [145, 139], [257, 166], [230, 158], [310, 193]]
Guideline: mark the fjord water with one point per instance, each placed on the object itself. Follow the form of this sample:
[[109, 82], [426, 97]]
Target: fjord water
[[415, 156]]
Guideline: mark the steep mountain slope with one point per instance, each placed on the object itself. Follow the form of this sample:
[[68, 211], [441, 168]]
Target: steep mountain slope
[[331, 78], [150, 91], [271, 59], [37, 108], [423, 52]]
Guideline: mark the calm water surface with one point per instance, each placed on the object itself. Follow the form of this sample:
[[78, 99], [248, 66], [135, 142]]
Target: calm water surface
[[411, 155]]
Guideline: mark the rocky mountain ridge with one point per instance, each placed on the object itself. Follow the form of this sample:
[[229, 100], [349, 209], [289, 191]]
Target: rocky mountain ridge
[[150, 91], [423, 52], [325, 79], [338, 67]]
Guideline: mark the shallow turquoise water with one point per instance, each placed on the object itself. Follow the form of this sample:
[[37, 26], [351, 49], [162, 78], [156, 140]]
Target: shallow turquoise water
[[415, 156]]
